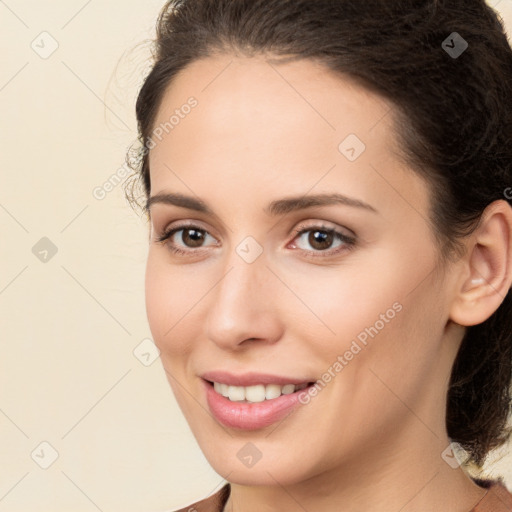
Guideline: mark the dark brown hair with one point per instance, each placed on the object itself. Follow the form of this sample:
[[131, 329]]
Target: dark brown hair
[[453, 117]]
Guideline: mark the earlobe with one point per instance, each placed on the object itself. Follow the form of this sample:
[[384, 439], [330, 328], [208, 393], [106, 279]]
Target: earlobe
[[488, 267]]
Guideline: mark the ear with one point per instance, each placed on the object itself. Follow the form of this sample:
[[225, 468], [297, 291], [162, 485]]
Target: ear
[[487, 274]]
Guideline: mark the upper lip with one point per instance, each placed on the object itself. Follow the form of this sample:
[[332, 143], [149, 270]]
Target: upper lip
[[251, 378]]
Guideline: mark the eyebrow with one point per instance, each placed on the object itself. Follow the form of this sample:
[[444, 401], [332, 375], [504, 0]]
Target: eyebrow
[[275, 208]]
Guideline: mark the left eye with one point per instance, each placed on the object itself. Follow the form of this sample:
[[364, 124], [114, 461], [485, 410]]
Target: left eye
[[321, 238]]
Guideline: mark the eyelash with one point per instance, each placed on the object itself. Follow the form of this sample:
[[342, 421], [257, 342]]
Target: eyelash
[[348, 242]]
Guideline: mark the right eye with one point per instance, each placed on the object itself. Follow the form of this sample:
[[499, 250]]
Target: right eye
[[192, 237]]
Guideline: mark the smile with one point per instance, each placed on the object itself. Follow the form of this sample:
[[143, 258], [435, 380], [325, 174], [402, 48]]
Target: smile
[[256, 393], [254, 406]]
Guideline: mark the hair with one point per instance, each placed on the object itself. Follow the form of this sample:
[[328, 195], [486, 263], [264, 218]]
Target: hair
[[452, 116]]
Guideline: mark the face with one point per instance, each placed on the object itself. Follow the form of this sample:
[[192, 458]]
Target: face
[[256, 289]]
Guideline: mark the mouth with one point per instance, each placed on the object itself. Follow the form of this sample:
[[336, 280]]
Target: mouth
[[255, 406], [253, 400], [256, 393]]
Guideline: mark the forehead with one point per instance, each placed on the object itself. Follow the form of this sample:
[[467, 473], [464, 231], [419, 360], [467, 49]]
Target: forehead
[[262, 104], [284, 125]]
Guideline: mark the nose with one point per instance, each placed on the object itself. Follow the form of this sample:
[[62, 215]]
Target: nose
[[244, 305]]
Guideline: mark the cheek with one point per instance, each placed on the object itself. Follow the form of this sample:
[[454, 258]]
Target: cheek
[[378, 317], [156, 299], [345, 302], [166, 303], [401, 360]]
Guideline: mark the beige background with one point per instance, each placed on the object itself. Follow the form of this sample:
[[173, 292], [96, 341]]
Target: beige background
[[70, 325]]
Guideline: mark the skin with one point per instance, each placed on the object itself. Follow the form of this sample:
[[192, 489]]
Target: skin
[[372, 439]]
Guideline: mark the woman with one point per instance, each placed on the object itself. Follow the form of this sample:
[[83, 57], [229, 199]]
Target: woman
[[330, 261]]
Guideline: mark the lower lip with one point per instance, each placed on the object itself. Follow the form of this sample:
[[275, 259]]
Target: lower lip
[[250, 416]]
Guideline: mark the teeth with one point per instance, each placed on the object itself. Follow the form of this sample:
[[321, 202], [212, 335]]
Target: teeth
[[236, 393], [254, 393], [288, 389], [272, 391], [257, 393]]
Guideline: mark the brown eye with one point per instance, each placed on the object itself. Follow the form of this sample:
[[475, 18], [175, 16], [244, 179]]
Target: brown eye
[[321, 239], [192, 237]]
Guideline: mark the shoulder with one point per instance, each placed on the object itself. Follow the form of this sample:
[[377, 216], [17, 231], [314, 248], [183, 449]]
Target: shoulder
[[214, 503], [497, 499]]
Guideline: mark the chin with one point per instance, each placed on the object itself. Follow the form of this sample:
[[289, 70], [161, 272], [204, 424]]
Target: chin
[[240, 462]]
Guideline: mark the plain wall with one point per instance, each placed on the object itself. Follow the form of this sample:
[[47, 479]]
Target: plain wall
[[71, 321]]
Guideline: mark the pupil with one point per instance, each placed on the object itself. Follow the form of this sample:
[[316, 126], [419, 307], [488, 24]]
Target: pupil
[[196, 237], [321, 239]]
